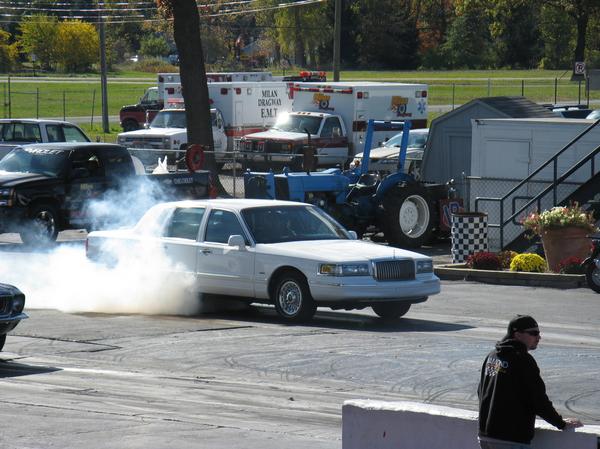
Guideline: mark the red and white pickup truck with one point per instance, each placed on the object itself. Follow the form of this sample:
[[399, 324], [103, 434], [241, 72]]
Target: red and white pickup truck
[[332, 118]]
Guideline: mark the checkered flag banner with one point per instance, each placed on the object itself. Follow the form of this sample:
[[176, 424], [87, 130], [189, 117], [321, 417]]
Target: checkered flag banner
[[469, 234]]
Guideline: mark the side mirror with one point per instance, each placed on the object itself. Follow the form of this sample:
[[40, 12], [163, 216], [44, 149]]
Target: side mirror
[[80, 172], [236, 240], [353, 235], [336, 131]]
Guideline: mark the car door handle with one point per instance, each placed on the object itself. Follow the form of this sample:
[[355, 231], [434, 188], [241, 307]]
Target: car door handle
[[206, 251]]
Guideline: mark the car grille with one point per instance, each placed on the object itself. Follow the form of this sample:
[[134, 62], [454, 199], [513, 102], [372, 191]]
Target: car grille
[[395, 270], [5, 305]]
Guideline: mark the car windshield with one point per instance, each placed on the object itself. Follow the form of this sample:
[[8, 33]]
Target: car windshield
[[594, 114], [175, 119], [169, 119], [276, 224], [47, 162], [297, 123], [414, 140]]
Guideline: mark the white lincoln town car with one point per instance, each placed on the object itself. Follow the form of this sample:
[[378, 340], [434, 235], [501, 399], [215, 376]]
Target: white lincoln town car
[[289, 254]]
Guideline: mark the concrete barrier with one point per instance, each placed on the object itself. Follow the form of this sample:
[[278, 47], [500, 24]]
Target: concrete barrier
[[370, 424]]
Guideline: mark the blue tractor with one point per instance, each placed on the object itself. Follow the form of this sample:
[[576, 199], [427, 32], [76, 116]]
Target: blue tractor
[[406, 210]]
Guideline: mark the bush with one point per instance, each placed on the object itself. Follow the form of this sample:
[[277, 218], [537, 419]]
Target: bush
[[570, 265], [484, 261], [528, 262], [506, 258], [155, 66]]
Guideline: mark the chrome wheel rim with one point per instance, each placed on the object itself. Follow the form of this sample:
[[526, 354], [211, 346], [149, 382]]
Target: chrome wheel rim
[[44, 223], [290, 298], [596, 276], [414, 216]]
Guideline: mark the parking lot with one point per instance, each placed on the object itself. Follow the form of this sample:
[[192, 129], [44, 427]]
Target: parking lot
[[233, 378]]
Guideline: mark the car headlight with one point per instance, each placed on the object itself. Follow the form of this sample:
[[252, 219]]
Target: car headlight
[[18, 303], [120, 139], [329, 269], [166, 140], [6, 197], [424, 266]]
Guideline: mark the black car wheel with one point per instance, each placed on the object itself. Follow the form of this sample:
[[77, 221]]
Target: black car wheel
[[130, 125], [292, 298], [592, 276], [391, 310], [2, 341], [42, 227]]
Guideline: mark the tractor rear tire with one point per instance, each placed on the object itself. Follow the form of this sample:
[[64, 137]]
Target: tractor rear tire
[[408, 216]]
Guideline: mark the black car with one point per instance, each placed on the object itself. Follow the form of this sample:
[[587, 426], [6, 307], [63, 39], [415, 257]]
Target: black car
[[12, 302]]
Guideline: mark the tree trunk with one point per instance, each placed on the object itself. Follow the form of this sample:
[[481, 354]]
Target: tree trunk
[[582, 23], [299, 43], [186, 29]]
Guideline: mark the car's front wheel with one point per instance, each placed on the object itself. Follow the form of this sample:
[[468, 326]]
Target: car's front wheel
[[292, 298], [592, 276], [42, 228], [2, 341], [391, 310]]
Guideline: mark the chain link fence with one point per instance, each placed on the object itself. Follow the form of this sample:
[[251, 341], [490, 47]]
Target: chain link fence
[[38, 100], [487, 195]]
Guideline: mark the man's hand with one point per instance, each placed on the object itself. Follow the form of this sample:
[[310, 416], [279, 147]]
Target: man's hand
[[572, 423]]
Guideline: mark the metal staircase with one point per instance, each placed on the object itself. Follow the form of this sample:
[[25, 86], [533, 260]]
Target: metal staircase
[[580, 183]]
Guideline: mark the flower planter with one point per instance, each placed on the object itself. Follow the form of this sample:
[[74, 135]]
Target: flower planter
[[564, 242]]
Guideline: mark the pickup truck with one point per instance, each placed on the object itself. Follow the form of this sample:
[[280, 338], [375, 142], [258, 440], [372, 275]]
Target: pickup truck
[[46, 188], [168, 131], [284, 143], [16, 132]]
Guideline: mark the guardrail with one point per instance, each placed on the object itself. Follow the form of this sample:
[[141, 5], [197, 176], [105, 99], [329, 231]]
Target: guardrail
[[411, 425]]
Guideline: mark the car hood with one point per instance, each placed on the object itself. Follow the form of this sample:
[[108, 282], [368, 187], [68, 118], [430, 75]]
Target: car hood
[[386, 152], [10, 179], [335, 251], [277, 135], [153, 132]]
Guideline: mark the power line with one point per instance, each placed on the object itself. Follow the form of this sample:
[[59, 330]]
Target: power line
[[101, 13]]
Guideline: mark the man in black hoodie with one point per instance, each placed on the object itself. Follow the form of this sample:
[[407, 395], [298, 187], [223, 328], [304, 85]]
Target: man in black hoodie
[[511, 391]]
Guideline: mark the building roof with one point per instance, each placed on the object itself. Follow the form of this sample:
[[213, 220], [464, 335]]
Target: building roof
[[516, 107]]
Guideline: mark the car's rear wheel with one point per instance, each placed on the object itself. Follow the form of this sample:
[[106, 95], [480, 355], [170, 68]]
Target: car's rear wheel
[[391, 310], [292, 298], [2, 341]]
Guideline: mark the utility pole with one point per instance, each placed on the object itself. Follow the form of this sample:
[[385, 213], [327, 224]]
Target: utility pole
[[337, 36], [103, 82]]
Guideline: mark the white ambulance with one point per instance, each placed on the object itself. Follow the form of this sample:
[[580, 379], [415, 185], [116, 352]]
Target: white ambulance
[[238, 108], [332, 118]]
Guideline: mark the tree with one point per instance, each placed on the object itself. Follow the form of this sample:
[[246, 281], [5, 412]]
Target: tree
[[154, 46], [581, 11], [38, 36], [514, 28], [77, 45], [387, 33], [8, 52], [186, 30], [468, 42], [557, 31]]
